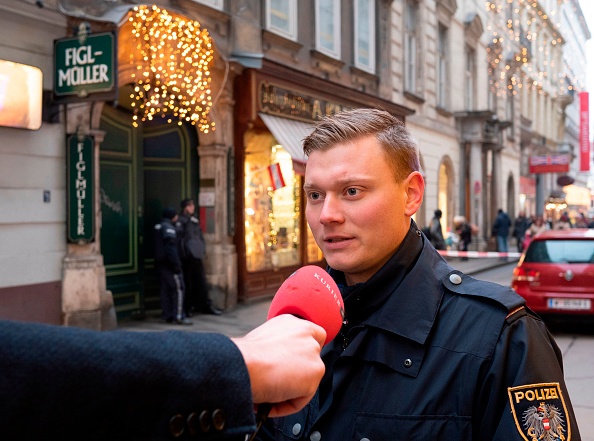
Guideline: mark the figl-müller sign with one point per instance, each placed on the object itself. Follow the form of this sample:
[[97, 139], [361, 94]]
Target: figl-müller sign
[[81, 213], [84, 65]]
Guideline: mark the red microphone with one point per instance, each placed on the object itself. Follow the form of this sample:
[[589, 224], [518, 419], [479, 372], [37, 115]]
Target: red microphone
[[311, 294]]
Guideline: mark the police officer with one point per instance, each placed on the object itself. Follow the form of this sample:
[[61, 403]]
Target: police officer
[[193, 249], [425, 352], [169, 269]]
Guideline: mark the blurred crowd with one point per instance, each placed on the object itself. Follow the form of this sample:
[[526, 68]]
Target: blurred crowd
[[522, 229]]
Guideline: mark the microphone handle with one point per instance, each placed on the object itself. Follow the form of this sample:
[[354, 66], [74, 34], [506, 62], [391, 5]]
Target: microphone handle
[[261, 417]]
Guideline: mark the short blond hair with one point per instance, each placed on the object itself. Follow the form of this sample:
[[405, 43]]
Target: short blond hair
[[398, 144]]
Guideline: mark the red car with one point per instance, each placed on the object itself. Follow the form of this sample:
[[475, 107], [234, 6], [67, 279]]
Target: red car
[[556, 273]]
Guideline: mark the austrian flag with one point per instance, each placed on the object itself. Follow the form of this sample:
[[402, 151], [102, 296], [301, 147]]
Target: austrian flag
[[276, 176]]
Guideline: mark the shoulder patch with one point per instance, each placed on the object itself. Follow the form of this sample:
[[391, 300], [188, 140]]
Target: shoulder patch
[[539, 412], [169, 232], [463, 284]]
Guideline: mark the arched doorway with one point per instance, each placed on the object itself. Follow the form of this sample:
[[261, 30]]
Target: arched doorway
[[142, 170], [445, 193]]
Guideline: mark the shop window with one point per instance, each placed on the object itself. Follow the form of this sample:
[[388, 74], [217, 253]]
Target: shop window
[[272, 209], [314, 254]]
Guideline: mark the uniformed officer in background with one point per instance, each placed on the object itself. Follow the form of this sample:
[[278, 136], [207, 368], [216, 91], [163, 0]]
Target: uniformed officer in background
[[169, 268], [193, 250], [425, 352]]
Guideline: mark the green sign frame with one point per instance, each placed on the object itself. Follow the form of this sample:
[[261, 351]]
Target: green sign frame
[[81, 196], [85, 67]]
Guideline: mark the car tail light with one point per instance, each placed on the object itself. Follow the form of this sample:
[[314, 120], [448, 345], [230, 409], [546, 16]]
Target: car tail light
[[525, 275]]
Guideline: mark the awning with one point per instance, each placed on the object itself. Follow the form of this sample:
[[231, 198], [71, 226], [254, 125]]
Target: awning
[[289, 134]]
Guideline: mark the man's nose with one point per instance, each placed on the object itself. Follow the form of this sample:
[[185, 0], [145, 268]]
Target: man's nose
[[331, 210]]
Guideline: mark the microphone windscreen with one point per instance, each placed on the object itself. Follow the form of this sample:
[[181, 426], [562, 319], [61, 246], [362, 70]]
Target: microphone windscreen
[[311, 294]]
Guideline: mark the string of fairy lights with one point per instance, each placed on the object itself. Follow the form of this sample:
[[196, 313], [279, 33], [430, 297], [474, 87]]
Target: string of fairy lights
[[171, 68], [526, 48]]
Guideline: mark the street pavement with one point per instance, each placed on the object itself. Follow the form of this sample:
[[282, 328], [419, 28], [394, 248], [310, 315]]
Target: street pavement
[[578, 353]]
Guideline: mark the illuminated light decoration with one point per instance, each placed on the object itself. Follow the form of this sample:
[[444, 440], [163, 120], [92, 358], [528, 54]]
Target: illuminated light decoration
[[171, 58], [520, 37]]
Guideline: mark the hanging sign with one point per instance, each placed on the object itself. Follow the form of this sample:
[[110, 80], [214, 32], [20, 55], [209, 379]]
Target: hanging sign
[[81, 203], [549, 164], [84, 67]]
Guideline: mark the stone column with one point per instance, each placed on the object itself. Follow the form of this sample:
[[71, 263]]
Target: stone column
[[495, 180], [86, 303], [214, 150], [476, 177]]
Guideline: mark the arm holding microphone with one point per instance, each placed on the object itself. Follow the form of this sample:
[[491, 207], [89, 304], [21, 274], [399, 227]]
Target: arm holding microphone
[[68, 383]]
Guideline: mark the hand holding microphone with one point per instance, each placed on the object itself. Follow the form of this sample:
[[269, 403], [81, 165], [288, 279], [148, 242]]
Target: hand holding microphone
[[283, 354]]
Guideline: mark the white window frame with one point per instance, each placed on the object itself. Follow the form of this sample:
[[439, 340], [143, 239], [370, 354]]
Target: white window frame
[[369, 66], [333, 52], [290, 32], [216, 4], [442, 66], [411, 47], [470, 78]]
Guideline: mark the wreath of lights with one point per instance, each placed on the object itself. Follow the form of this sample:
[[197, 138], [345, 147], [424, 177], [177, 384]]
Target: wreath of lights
[[171, 57]]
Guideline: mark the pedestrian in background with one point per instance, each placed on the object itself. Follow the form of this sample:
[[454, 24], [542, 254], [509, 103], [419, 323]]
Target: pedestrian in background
[[521, 224], [193, 250], [464, 232], [501, 231], [169, 268], [436, 232], [564, 222], [581, 221]]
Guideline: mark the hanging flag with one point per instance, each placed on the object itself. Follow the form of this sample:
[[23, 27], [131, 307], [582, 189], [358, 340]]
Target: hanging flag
[[276, 176], [584, 132]]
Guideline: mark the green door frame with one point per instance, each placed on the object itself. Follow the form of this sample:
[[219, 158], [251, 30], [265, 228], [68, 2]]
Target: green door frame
[[142, 170]]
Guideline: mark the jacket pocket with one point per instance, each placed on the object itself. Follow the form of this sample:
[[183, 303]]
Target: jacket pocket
[[412, 427]]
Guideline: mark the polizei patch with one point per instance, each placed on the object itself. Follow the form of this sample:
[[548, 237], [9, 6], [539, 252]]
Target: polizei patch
[[539, 412]]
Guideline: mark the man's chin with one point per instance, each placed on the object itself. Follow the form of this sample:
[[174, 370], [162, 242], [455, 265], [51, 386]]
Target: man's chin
[[339, 263]]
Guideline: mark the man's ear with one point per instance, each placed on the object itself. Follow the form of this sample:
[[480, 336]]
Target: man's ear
[[415, 188]]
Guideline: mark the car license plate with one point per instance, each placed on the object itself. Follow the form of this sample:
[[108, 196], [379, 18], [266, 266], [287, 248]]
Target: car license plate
[[570, 304]]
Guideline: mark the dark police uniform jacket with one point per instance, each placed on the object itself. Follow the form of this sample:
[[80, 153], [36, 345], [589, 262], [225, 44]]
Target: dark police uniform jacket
[[167, 246], [429, 353], [72, 384], [192, 239]]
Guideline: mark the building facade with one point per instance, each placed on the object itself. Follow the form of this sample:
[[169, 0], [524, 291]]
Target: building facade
[[82, 192], [489, 83]]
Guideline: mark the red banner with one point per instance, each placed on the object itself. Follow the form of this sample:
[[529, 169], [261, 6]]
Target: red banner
[[584, 132], [549, 164]]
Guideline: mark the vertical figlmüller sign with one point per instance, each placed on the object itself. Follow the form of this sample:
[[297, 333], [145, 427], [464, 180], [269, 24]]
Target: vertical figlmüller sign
[[81, 203]]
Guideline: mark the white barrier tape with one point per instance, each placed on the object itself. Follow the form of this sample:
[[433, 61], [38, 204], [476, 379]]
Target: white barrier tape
[[477, 254]]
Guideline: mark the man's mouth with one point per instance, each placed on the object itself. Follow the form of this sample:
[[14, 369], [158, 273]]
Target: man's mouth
[[336, 239]]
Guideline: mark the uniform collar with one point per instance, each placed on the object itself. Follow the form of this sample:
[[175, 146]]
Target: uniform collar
[[400, 298]]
